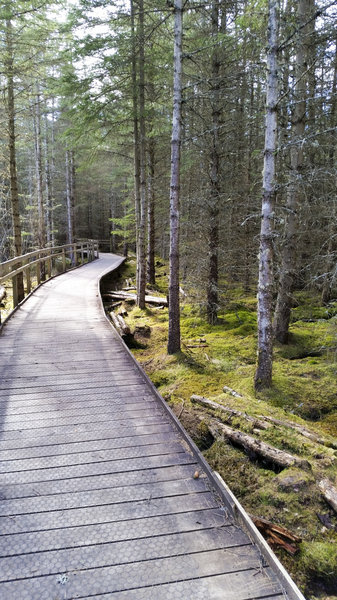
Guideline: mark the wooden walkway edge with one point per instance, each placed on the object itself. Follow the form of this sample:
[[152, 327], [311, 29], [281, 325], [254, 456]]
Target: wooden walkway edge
[[97, 494]]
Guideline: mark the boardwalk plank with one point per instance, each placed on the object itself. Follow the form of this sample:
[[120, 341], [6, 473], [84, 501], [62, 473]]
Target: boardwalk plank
[[63, 561], [98, 482], [126, 577], [134, 493], [245, 585]]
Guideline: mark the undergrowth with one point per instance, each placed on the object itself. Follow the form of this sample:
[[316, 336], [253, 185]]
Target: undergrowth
[[303, 391]]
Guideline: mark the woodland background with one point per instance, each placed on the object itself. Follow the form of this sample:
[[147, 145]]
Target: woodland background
[[73, 105], [86, 125]]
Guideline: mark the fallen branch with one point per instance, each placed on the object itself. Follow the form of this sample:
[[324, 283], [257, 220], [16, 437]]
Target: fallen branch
[[229, 390], [234, 413], [277, 535], [274, 455], [203, 345], [120, 295], [181, 410], [302, 430], [329, 493]]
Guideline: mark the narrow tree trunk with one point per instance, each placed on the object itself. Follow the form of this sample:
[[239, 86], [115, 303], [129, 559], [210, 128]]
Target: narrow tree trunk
[[70, 199], [135, 134], [151, 271], [329, 262], [263, 375], [52, 171], [9, 63], [213, 232], [142, 224], [174, 306], [41, 234], [290, 239], [49, 198]]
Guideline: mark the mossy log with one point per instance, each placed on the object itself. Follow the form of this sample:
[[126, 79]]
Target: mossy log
[[122, 327], [302, 430], [229, 411], [273, 455], [127, 297], [329, 492]]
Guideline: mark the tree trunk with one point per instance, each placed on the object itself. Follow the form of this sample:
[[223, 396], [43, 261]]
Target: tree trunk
[[9, 63], [135, 134], [290, 239], [263, 375], [49, 196], [70, 200], [41, 234], [151, 271], [330, 255], [174, 306], [142, 155], [213, 232]]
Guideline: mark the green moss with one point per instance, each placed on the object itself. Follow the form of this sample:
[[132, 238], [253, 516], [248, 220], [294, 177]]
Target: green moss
[[320, 559]]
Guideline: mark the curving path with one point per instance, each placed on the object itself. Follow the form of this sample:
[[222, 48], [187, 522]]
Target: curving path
[[97, 494]]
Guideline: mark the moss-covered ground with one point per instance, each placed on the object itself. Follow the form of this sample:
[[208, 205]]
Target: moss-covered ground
[[304, 391]]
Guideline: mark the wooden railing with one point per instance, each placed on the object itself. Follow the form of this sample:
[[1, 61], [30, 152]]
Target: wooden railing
[[42, 264]]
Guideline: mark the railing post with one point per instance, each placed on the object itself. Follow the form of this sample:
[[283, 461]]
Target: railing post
[[82, 253], [38, 272], [64, 260], [74, 255], [48, 261], [28, 281], [15, 291]]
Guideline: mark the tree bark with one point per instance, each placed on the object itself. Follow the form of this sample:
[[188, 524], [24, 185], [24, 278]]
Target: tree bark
[[142, 156], [174, 305], [329, 492], [41, 234], [263, 375], [274, 455], [330, 254], [230, 412], [15, 207], [49, 196], [135, 134], [289, 255], [213, 232], [70, 198], [151, 271]]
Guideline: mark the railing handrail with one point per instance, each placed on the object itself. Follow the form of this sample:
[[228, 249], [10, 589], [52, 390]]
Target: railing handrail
[[42, 260]]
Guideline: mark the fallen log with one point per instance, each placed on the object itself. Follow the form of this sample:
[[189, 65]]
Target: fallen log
[[232, 412], [203, 345], [329, 493], [127, 297], [229, 390], [273, 455], [122, 327], [302, 430], [277, 535]]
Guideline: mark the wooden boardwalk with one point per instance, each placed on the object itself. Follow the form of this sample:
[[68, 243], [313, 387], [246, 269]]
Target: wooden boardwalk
[[98, 498]]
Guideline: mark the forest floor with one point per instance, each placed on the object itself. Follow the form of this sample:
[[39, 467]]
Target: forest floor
[[303, 393]]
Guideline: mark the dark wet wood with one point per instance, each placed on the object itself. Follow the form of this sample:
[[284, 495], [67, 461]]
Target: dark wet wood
[[98, 498]]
